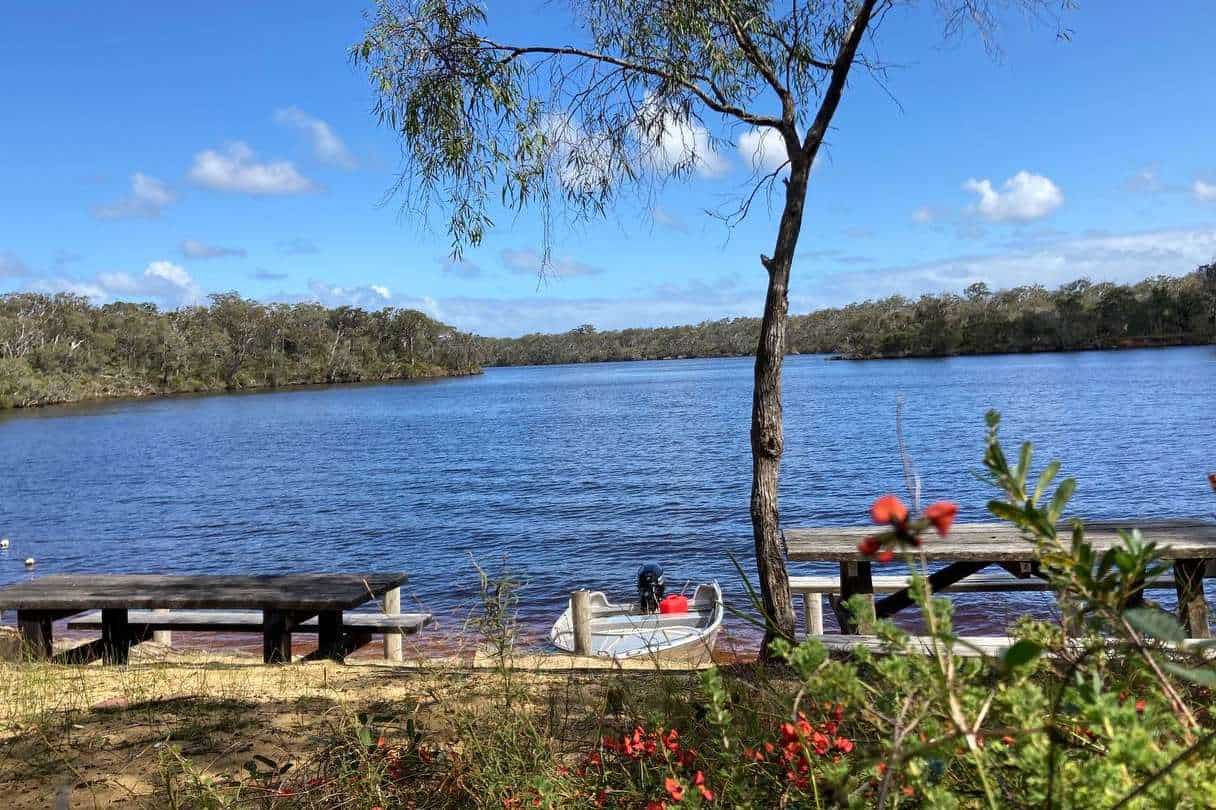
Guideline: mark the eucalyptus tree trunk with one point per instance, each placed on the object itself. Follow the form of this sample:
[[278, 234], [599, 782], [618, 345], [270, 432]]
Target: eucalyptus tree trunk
[[767, 432]]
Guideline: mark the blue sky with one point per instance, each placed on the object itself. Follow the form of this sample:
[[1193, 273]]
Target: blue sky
[[157, 152]]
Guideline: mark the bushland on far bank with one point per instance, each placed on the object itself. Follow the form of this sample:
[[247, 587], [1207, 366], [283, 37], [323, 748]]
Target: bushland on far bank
[[61, 348], [1159, 311]]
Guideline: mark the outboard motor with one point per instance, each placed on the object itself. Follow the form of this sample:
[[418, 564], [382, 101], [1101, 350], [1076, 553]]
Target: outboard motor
[[650, 587]]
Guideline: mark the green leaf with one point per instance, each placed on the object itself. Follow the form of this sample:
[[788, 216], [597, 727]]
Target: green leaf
[[1006, 511], [1203, 677], [1045, 480], [1024, 464], [1063, 494], [1156, 623], [1021, 653]]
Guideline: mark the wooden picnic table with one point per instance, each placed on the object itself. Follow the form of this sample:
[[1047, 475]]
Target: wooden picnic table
[[972, 547], [286, 601]]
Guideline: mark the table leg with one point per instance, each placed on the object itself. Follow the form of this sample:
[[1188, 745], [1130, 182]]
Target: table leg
[[1192, 606], [854, 578], [116, 635], [276, 636], [329, 635], [938, 581], [35, 629]]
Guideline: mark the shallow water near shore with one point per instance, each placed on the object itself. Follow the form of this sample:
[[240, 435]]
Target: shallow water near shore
[[574, 475]]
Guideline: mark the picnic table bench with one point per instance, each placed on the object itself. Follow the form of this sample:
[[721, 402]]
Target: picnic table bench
[[972, 547], [282, 603]]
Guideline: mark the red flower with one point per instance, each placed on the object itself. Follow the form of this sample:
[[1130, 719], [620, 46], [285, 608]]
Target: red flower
[[1141, 705], [655, 804], [674, 789], [602, 799], [886, 556], [843, 744], [699, 781], [380, 743], [889, 509], [1212, 480], [869, 546], [671, 740], [941, 515]]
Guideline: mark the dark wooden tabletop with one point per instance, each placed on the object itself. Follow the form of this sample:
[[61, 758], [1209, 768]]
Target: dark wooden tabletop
[[999, 542], [297, 592]]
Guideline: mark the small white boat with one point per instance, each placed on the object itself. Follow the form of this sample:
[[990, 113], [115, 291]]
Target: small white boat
[[625, 631]]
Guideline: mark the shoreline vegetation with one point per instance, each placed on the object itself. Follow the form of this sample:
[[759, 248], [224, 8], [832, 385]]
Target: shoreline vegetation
[[58, 349], [1080, 315]]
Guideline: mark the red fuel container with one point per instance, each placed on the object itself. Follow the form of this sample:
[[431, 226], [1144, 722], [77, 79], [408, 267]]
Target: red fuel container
[[674, 604]]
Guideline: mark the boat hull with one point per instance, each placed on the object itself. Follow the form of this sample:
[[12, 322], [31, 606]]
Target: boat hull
[[623, 632]]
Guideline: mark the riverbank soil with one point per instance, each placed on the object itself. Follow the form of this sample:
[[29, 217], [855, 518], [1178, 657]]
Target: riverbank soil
[[132, 736]]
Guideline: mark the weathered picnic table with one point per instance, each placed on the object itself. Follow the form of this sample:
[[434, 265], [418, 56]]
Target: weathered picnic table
[[972, 547], [287, 601]]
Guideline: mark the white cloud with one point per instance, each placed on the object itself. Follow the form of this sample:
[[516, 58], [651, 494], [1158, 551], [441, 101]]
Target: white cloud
[[147, 199], [162, 282], [583, 161], [529, 262], [326, 145], [763, 149], [236, 169], [194, 249], [923, 215], [677, 142], [1204, 192], [1022, 198], [687, 141], [1119, 258], [370, 296]]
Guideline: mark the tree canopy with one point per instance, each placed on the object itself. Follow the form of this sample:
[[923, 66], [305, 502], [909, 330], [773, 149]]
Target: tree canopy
[[61, 348], [1159, 311]]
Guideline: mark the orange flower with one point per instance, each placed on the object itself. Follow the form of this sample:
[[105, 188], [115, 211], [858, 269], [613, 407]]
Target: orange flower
[[888, 509], [674, 789], [941, 515], [886, 556], [869, 546]]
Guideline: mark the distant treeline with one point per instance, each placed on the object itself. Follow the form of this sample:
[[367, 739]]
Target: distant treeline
[[61, 348], [1160, 311]]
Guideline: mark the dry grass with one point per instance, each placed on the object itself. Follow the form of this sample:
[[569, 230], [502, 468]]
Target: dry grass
[[101, 736]]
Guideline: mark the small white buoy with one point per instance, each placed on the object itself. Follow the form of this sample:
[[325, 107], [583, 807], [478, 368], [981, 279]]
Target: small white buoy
[[29, 562], [3, 542]]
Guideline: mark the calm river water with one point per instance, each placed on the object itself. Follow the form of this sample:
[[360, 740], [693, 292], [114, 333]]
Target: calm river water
[[573, 475]]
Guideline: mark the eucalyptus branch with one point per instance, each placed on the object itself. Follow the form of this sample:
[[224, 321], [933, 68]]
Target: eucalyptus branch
[[513, 52]]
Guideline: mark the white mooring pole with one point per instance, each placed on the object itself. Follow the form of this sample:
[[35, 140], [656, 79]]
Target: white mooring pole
[[392, 635], [580, 619]]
